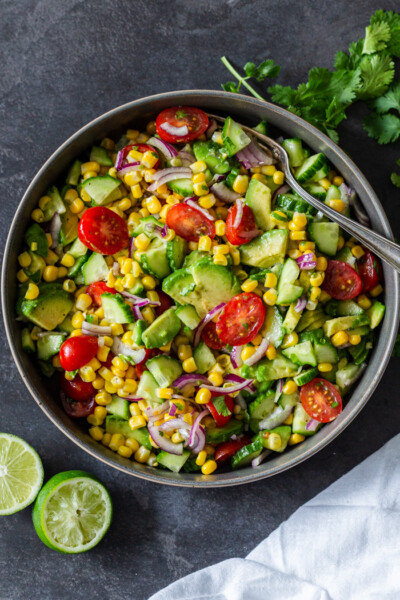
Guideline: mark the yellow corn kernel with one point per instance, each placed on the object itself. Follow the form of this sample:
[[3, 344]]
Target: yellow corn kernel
[[77, 320], [270, 280], [315, 293], [357, 251], [133, 219], [45, 201], [325, 367], [198, 167], [316, 279], [216, 378], [134, 410], [153, 205], [278, 177], [338, 180], [90, 166], [124, 204], [209, 467], [235, 255], [87, 373], [100, 412], [126, 265], [184, 352], [220, 259], [268, 170], [240, 184], [340, 338], [128, 281], [130, 386], [105, 373], [324, 297], [340, 242], [189, 365], [165, 393], [270, 297], [305, 246], [102, 354], [148, 314], [298, 235], [200, 189], [296, 438], [204, 243], [132, 444], [289, 340], [136, 191], [162, 190], [70, 195], [294, 253], [76, 206], [125, 451], [219, 228], [61, 272], [256, 341], [117, 440], [325, 183], [83, 302], [137, 422], [75, 333], [22, 276], [176, 438], [142, 454], [50, 273], [93, 420], [336, 204], [289, 420], [378, 289], [98, 383], [149, 282], [290, 387], [32, 292], [56, 361], [249, 285], [118, 362], [67, 260], [171, 233], [247, 352], [142, 242], [24, 259], [96, 433], [364, 302], [201, 458], [298, 222], [149, 159], [181, 339], [106, 439], [37, 215], [199, 178], [322, 263], [274, 441], [203, 396], [117, 329], [207, 201], [270, 352]]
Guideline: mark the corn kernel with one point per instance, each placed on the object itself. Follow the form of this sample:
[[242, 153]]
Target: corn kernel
[[325, 367], [289, 420], [270, 297], [278, 177], [338, 180], [270, 280], [271, 352], [136, 191], [165, 393], [378, 289], [132, 444], [256, 341], [240, 184], [76, 206], [22, 276], [340, 338], [203, 396], [189, 365], [294, 253], [198, 167], [268, 170], [290, 340], [315, 293], [142, 454], [130, 386], [249, 285], [216, 378], [137, 422], [125, 451], [24, 259], [219, 228], [106, 439], [220, 259], [235, 255], [247, 352], [296, 438], [290, 387], [364, 302], [149, 282], [32, 292], [149, 159], [100, 412], [274, 441], [184, 352], [87, 374], [153, 205], [96, 433], [75, 333], [98, 383], [298, 235], [199, 178], [56, 361], [322, 263], [201, 458], [50, 273], [325, 183], [77, 320], [37, 215], [209, 467], [207, 201], [83, 302], [357, 251], [117, 440], [176, 438], [61, 272]]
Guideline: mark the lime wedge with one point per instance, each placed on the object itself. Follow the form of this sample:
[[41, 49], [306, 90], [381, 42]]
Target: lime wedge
[[21, 474], [72, 512]]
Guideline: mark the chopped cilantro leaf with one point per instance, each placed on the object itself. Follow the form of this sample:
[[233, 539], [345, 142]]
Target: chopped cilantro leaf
[[221, 407]]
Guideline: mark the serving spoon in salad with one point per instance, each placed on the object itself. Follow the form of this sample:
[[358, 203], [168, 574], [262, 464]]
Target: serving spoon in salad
[[386, 249]]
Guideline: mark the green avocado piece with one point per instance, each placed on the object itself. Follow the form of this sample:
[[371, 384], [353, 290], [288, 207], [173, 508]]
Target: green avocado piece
[[214, 284], [265, 250], [162, 330], [258, 198], [50, 308], [36, 235]]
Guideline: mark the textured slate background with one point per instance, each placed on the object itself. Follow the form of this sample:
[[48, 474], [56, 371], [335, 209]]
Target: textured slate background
[[64, 63]]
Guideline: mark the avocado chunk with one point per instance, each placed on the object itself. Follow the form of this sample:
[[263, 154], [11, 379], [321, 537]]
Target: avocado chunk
[[203, 357], [102, 189], [265, 250], [162, 330], [375, 313], [36, 268], [154, 259], [188, 315], [50, 308], [223, 434], [69, 228], [279, 368], [36, 235], [258, 198], [342, 323], [49, 345], [114, 424], [164, 369]]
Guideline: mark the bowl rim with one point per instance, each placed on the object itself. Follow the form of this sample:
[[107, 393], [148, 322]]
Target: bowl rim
[[208, 481]]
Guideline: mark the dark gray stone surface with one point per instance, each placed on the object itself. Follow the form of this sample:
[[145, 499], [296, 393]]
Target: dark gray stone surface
[[64, 63]]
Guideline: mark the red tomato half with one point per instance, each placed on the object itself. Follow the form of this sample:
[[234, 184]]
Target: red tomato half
[[226, 450], [165, 303], [181, 123], [210, 337], [189, 223], [341, 281], [140, 148], [370, 271], [321, 400], [103, 231], [221, 420], [95, 290], [77, 351], [241, 319], [237, 235], [77, 389], [77, 408]]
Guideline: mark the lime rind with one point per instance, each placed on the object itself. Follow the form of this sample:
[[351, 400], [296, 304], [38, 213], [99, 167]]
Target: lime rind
[[21, 474]]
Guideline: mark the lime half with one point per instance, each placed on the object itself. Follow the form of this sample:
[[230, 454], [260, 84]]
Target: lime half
[[21, 474], [72, 512]]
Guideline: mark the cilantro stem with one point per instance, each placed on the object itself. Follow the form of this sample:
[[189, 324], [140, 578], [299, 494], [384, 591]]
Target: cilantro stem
[[241, 79]]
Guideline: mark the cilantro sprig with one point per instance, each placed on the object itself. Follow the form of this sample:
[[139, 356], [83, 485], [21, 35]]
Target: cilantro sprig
[[266, 69]]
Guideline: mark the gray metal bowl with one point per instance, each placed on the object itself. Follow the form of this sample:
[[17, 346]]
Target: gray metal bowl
[[249, 111]]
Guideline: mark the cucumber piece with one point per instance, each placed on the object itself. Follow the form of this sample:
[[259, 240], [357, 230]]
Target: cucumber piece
[[74, 173], [210, 153], [314, 336], [259, 409], [154, 259], [262, 127], [233, 137], [284, 432], [364, 330], [333, 193], [325, 351], [310, 167], [287, 291], [162, 330], [273, 327], [203, 357], [279, 368], [301, 354], [176, 251], [376, 313], [360, 352], [294, 148], [36, 268], [223, 434], [147, 225], [164, 369], [116, 310], [137, 329], [343, 308], [100, 155], [77, 266], [46, 368], [49, 345], [188, 315], [343, 323], [78, 249], [345, 255], [115, 424], [265, 250], [300, 421], [347, 376], [55, 206], [184, 187], [35, 235], [28, 345], [306, 376], [315, 190], [258, 198], [147, 389], [69, 228], [119, 407], [95, 269], [173, 462], [245, 455], [291, 319], [325, 236], [102, 189]]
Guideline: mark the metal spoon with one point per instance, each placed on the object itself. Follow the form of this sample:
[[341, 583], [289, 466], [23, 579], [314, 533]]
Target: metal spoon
[[387, 250]]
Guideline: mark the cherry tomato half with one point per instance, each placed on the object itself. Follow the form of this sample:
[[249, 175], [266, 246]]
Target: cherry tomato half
[[341, 281], [210, 337], [237, 235], [77, 389], [189, 223], [221, 420], [181, 123], [226, 450], [77, 408], [370, 271], [95, 290], [321, 400], [103, 231], [77, 351], [241, 319], [165, 303], [140, 148]]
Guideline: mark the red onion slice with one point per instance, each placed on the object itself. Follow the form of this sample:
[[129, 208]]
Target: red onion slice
[[163, 442], [119, 160], [300, 304], [133, 166], [158, 410], [55, 227], [173, 424], [209, 317], [138, 301], [119, 347], [253, 156], [92, 329], [236, 357], [280, 190], [166, 148], [173, 410], [173, 173], [172, 130], [199, 441], [222, 192], [203, 211], [195, 427], [132, 247], [239, 213], [189, 379], [230, 389], [211, 128], [278, 391], [276, 418], [116, 268], [259, 353], [259, 459], [312, 425], [187, 158], [238, 379], [306, 262], [137, 312]]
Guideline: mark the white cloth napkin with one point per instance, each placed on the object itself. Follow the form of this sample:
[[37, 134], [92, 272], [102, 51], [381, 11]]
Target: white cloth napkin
[[344, 544]]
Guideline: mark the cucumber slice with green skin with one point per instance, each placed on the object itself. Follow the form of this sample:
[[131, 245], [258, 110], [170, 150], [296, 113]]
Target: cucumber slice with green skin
[[360, 352], [164, 369], [316, 190], [55, 206], [325, 236], [78, 249], [294, 148], [184, 187], [76, 267], [115, 424], [286, 202], [210, 153], [223, 434], [46, 367], [99, 154], [273, 327], [203, 357], [343, 323], [279, 368], [333, 193], [154, 260], [291, 319], [300, 421], [116, 310], [376, 313], [284, 432], [176, 251], [314, 336], [345, 255], [310, 167], [188, 315], [343, 308], [262, 127], [162, 330], [95, 269], [259, 409], [245, 455], [102, 189], [147, 225], [69, 228], [147, 389], [119, 407], [28, 345], [35, 235], [230, 180], [287, 291], [258, 198], [49, 345], [233, 137], [347, 376], [137, 331], [266, 250], [74, 173], [173, 462], [325, 352], [301, 354], [323, 172], [306, 376]]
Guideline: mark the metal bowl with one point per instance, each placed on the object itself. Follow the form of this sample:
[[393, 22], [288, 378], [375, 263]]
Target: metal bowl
[[248, 111]]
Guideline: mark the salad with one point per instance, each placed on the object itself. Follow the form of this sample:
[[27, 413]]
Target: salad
[[198, 313]]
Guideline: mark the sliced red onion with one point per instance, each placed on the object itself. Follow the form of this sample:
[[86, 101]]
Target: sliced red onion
[[253, 156], [306, 262], [250, 234], [276, 418], [164, 231], [166, 148], [300, 304], [239, 213], [200, 440], [238, 379], [173, 410], [133, 166], [246, 158], [236, 356], [179, 397], [211, 128], [133, 398], [132, 247], [172, 130], [158, 410], [189, 379], [173, 173], [230, 389], [209, 317], [55, 226], [119, 347], [280, 190], [163, 442], [222, 192], [137, 312], [92, 329], [187, 158], [259, 459], [278, 391], [138, 301], [173, 424], [119, 160], [196, 206], [259, 353], [101, 340], [312, 425], [195, 427]]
